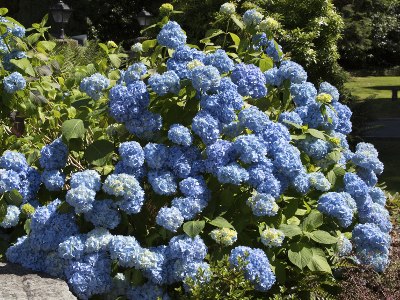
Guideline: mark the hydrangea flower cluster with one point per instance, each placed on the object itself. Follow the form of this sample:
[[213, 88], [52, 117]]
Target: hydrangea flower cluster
[[14, 83], [171, 35], [227, 8], [94, 85], [224, 236], [272, 237]]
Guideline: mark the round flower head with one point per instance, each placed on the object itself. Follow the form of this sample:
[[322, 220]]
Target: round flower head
[[344, 246], [53, 180], [94, 85], [268, 24], [180, 135], [224, 236], [72, 247], [335, 205], [14, 83], [162, 182], [11, 218], [54, 156], [272, 237], [206, 127], [186, 248], [250, 80], [166, 8], [155, 155], [125, 249], [273, 51], [326, 87], [263, 205], [227, 8], [220, 60], [171, 35], [88, 178], [131, 154], [170, 218], [292, 71], [134, 73], [104, 214], [319, 181], [168, 82], [97, 240], [233, 174], [252, 18], [81, 198], [137, 47], [9, 180], [205, 78]]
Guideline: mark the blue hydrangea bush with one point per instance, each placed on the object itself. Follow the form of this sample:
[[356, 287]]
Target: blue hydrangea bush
[[187, 155]]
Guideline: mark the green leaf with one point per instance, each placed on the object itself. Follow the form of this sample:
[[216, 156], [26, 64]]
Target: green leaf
[[235, 39], [237, 22], [331, 176], [3, 209], [24, 64], [312, 221], [339, 171], [27, 226], [300, 258], [221, 223], [290, 230], [292, 124], [213, 33], [73, 129], [148, 44], [334, 155], [104, 47], [323, 237], [193, 228], [316, 133], [13, 198], [44, 46], [318, 261], [115, 60], [98, 152], [265, 64]]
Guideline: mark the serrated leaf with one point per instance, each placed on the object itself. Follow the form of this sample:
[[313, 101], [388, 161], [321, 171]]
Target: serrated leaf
[[193, 228], [334, 156], [73, 129], [265, 64], [331, 176], [98, 152], [290, 230], [24, 64], [221, 223], [318, 261], [316, 133], [339, 171], [44, 70], [312, 221], [300, 258], [235, 39], [213, 33], [115, 60], [13, 198], [44, 46], [323, 237]]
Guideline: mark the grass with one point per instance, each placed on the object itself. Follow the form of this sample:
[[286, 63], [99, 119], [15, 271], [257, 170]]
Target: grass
[[374, 93]]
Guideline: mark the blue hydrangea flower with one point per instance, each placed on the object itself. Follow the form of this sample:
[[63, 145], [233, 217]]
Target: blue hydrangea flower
[[303, 93], [377, 195], [368, 176], [13, 160], [88, 178], [18, 31], [193, 186], [145, 126], [290, 116], [81, 198], [156, 155], [224, 236], [272, 77], [134, 72], [131, 154], [72, 248], [11, 218], [344, 114], [319, 181], [232, 129], [315, 148], [180, 135], [252, 17], [206, 127], [54, 156], [302, 182], [366, 156], [379, 216], [335, 205], [220, 60], [227, 8], [147, 291], [344, 246], [190, 206], [94, 85], [14, 83], [253, 119], [326, 87], [9, 180], [292, 71], [256, 267], [263, 205], [287, 159], [233, 174], [250, 148], [53, 180], [171, 35], [250, 80], [104, 214], [186, 248], [181, 57], [273, 51], [97, 240], [205, 78], [125, 249], [259, 40], [168, 82], [371, 245], [170, 218], [162, 182], [272, 237]]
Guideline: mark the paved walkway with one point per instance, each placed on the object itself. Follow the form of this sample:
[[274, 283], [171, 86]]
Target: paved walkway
[[383, 128], [17, 283]]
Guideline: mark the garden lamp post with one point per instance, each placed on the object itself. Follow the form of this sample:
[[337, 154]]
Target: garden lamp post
[[144, 18], [61, 13]]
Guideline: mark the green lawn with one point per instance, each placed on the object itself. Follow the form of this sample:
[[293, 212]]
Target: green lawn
[[375, 92]]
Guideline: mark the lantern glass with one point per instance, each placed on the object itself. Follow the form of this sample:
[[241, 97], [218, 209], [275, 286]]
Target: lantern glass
[[142, 20]]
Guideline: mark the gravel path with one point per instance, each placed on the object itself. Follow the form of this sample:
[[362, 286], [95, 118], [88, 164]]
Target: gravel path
[[17, 283]]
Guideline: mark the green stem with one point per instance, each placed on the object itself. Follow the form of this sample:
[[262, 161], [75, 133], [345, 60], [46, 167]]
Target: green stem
[[226, 33]]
